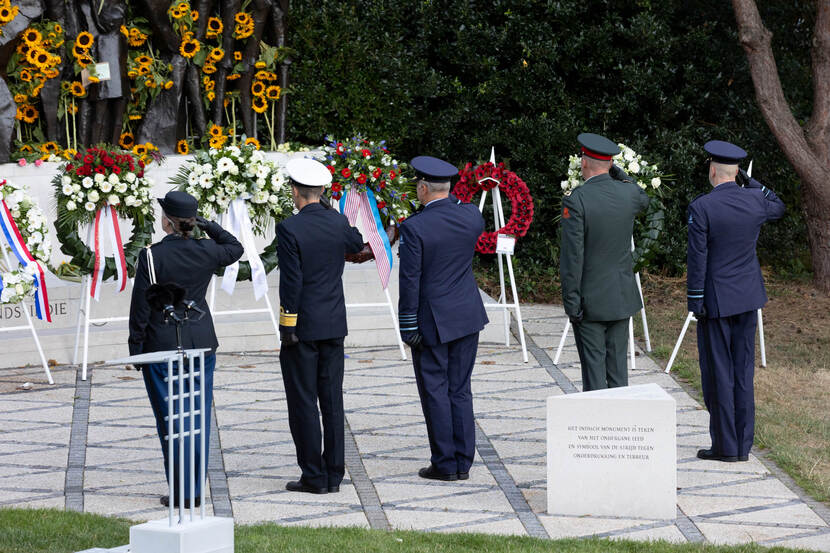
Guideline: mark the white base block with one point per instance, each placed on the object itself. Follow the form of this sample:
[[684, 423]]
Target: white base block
[[613, 453], [208, 535]]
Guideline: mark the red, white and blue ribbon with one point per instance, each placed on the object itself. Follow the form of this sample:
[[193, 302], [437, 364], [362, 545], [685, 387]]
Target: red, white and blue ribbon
[[26, 259], [108, 218], [352, 205]]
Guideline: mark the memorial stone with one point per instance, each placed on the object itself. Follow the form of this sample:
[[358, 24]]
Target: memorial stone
[[613, 453]]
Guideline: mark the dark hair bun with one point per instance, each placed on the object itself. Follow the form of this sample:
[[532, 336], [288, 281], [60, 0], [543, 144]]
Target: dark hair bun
[[185, 226]]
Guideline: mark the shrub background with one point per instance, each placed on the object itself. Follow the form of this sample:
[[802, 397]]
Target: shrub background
[[453, 78]]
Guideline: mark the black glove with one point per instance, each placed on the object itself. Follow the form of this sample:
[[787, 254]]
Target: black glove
[[742, 178], [576, 319], [618, 174], [701, 314], [288, 339], [201, 222], [412, 338]]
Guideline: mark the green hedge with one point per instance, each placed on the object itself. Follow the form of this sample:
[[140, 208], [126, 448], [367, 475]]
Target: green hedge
[[453, 78]]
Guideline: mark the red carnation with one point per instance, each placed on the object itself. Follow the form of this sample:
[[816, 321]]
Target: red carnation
[[88, 158], [330, 168], [365, 152], [377, 173], [401, 219], [362, 178], [392, 175], [336, 187], [336, 195], [382, 184], [116, 170], [346, 172], [100, 169], [381, 205], [340, 148]]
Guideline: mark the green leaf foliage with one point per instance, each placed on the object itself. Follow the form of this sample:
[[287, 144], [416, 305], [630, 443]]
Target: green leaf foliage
[[454, 78]]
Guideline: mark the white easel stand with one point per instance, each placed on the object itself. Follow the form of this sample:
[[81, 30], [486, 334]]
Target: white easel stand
[[631, 351], [498, 217], [29, 325], [186, 534], [691, 317]]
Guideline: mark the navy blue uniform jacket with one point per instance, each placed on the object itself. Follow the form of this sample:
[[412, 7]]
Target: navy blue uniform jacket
[[190, 263], [438, 292], [311, 246], [723, 270]]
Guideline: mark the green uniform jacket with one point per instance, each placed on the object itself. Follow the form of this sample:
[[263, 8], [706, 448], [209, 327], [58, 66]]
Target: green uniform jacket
[[595, 258]]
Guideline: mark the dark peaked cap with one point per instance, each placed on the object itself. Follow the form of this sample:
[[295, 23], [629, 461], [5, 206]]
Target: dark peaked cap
[[724, 152], [179, 204], [432, 169], [597, 147]]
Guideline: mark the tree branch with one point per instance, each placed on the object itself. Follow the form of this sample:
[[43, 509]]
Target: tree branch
[[818, 128]]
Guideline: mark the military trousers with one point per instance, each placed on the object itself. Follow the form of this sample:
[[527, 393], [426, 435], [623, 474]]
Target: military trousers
[[726, 348], [313, 372], [443, 373], [154, 375], [602, 348]]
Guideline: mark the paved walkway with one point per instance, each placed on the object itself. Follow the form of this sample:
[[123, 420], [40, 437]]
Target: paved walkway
[[91, 446]]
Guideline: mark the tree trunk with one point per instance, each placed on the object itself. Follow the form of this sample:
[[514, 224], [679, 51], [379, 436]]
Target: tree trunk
[[807, 148]]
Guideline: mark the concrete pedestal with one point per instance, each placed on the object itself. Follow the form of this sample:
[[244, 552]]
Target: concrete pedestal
[[208, 535]]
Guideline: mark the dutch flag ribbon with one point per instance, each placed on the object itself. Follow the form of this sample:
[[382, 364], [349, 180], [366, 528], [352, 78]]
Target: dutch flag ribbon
[[108, 218]]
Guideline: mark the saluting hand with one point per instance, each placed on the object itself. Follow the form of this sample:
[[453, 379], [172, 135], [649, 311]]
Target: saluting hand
[[288, 339]]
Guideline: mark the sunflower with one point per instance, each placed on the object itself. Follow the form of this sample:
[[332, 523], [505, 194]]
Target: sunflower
[[258, 88], [36, 89], [83, 61], [234, 76], [136, 38], [27, 148], [72, 109], [124, 31], [50, 147], [237, 56], [189, 48], [273, 92], [264, 75], [175, 12], [42, 59], [7, 14], [132, 73], [52, 73], [31, 54], [259, 104], [139, 149], [20, 98], [243, 31], [26, 75], [135, 117], [143, 59], [19, 114], [209, 84], [211, 95], [217, 141], [77, 89], [209, 68], [32, 37], [260, 64], [22, 48], [69, 153], [150, 83], [94, 79], [215, 130], [168, 85], [214, 27], [216, 54], [78, 51], [194, 15], [57, 28], [126, 140], [182, 147], [30, 114], [84, 40], [251, 141]]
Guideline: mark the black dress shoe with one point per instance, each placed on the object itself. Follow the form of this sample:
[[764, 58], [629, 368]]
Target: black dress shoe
[[334, 489], [463, 475], [708, 455], [165, 500], [432, 473], [305, 488]]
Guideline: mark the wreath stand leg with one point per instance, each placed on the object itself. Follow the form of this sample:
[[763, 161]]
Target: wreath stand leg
[[86, 301], [643, 301], [30, 326], [691, 317], [391, 313], [498, 216]]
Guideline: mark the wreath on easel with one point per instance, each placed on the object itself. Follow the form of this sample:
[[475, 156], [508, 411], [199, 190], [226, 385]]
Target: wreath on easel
[[486, 177]]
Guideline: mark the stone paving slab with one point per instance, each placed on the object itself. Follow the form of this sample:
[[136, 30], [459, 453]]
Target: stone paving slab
[[92, 446]]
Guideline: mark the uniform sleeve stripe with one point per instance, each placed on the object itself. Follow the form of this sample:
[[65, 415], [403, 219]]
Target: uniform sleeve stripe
[[409, 328], [695, 297]]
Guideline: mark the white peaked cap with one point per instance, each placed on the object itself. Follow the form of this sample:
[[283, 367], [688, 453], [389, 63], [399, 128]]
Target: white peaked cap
[[308, 172]]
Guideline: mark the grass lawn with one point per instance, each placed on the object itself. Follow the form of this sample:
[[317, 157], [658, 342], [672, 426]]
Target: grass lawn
[[52, 531]]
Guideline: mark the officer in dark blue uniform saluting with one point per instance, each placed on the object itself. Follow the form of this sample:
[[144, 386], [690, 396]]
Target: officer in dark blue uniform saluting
[[725, 291], [311, 247], [441, 314]]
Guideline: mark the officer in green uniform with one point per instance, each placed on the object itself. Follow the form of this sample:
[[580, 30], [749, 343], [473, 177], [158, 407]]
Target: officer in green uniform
[[598, 287]]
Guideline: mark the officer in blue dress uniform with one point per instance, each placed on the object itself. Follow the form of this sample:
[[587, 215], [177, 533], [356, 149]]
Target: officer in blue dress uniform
[[725, 291], [441, 313], [311, 247]]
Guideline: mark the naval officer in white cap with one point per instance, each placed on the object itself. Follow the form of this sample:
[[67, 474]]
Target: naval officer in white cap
[[311, 246]]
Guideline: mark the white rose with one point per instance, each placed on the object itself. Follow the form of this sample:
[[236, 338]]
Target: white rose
[[113, 178], [36, 238], [121, 187], [634, 167], [15, 214], [93, 196], [19, 289], [655, 182], [105, 187], [629, 154], [77, 187], [99, 178], [130, 200], [87, 182], [641, 184], [234, 170], [67, 189], [130, 177], [70, 205], [564, 185], [65, 180], [113, 199]]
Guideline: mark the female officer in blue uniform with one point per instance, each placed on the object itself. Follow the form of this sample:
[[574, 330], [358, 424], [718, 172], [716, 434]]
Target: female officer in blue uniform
[[725, 291], [181, 260]]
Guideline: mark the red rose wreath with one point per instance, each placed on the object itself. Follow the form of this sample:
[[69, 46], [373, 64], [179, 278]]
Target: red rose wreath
[[474, 180]]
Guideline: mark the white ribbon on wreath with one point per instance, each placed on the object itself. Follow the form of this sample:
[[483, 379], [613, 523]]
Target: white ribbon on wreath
[[239, 224]]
